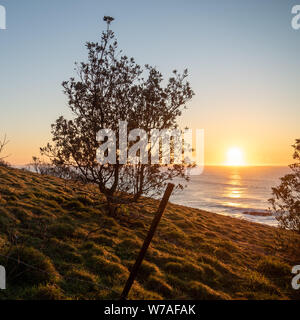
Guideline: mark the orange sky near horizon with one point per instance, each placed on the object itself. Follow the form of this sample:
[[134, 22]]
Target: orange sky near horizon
[[264, 140], [256, 150]]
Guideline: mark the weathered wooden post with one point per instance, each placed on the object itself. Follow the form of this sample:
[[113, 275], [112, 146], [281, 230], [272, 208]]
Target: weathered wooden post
[[147, 241]]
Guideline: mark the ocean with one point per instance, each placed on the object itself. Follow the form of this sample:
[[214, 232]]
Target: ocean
[[232, 191]]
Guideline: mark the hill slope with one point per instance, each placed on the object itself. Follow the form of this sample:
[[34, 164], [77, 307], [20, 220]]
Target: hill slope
[[62, 244]]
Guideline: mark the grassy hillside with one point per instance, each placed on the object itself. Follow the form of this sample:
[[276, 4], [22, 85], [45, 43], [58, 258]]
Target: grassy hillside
[[46, 223]]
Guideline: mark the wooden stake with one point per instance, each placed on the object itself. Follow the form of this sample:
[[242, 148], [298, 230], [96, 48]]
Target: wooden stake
[[147, 241]]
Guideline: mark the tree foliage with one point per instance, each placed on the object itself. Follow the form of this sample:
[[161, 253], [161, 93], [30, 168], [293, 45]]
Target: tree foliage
[[286, 197], [111, 87], [3, 144]]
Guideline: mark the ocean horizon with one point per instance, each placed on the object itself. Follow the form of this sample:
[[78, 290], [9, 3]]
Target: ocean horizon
[[233, 191]]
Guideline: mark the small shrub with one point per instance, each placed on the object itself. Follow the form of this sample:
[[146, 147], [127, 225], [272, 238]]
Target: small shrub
[[4, 164]]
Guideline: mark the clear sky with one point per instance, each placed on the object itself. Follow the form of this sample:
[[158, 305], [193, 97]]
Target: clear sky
[[243, 58]]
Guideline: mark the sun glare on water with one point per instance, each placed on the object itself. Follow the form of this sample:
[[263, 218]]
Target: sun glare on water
[[235, 157]]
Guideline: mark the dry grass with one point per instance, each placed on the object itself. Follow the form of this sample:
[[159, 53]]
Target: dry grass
[[194, 255]]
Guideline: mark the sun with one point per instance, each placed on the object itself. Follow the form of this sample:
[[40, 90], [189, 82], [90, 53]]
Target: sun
[[235, 157]]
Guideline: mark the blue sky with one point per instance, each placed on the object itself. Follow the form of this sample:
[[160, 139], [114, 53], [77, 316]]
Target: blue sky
[[243, 58]]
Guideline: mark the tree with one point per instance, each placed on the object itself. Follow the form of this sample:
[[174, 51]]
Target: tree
[[286, 197], [3, 143], [44, 168], [110, 87]]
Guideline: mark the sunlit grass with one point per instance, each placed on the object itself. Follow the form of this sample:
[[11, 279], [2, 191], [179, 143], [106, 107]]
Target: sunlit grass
[[194, 254]]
